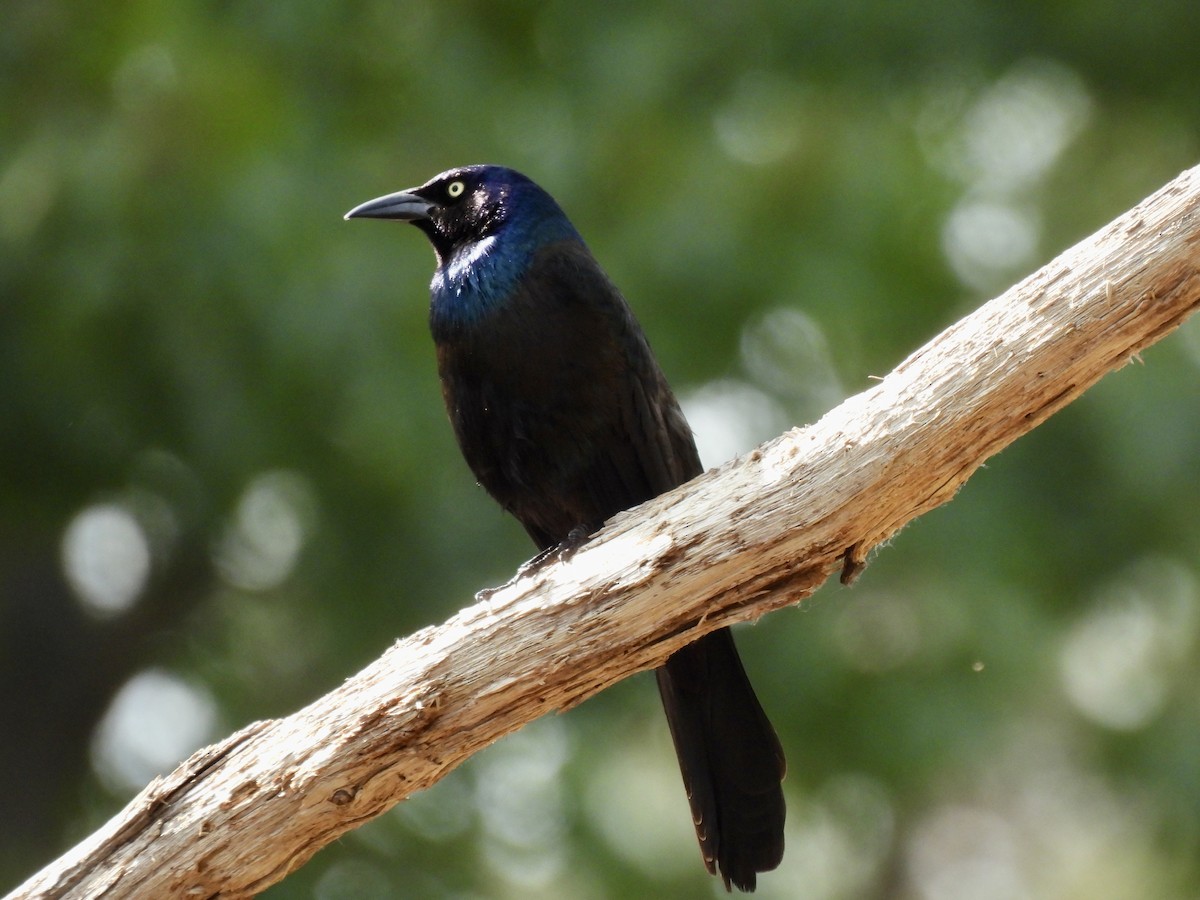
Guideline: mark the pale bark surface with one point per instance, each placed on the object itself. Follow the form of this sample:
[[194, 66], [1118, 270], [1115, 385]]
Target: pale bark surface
[[757, 534]]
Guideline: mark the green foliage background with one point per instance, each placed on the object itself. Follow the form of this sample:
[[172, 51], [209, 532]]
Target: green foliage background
[[793, 196]]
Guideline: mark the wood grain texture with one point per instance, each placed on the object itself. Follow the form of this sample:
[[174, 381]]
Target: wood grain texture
[[756, 534]]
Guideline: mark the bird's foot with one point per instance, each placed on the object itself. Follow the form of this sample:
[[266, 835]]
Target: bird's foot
[[575, 540], [561, 552]]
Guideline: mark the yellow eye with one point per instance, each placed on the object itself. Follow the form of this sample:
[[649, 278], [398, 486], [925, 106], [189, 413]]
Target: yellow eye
[[455, 189]]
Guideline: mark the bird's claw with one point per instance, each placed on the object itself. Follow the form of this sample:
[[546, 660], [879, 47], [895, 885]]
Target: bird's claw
[[561, 552]]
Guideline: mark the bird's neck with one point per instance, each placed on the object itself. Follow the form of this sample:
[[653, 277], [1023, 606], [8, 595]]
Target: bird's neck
[[473, 282], [477, 279]]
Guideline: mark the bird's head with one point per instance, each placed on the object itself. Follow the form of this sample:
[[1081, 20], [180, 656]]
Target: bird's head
[[462, 207]]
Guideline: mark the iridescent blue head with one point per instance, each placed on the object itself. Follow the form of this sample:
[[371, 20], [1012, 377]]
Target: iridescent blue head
[[486, 223]]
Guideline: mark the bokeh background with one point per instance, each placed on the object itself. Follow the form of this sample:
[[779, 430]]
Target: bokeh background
[[226, 480]]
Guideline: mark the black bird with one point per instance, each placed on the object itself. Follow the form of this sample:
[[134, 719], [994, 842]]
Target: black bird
[[566, 419]]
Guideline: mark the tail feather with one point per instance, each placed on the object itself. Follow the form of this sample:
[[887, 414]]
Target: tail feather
[[730, 757]]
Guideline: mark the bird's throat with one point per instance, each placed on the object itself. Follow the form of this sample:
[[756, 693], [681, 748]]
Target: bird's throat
[[476, 281]]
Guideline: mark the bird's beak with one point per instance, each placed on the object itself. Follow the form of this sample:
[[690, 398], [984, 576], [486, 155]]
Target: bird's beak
[[403, 205]]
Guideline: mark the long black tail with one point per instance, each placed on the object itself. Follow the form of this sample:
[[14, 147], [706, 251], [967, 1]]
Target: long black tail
[[731, 760]]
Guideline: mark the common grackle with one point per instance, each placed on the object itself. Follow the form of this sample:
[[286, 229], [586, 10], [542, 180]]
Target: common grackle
[[566, 419]]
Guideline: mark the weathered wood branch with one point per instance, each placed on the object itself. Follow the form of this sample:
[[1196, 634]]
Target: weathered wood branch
[[755, 535]]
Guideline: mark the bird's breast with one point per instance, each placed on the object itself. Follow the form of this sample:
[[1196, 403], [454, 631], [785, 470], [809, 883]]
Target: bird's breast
[[555, 399]]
